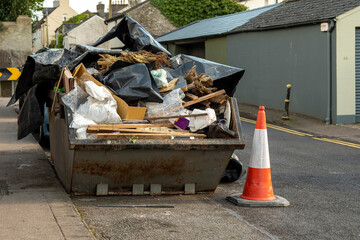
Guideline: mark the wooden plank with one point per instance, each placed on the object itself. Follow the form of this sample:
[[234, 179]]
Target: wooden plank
[[204, 98], [56, 90], [68, 80], [175, 116], [120, 136], [170, 87], [139, 130], [146, 125], [233, 126], [219, 99], [191, 96]]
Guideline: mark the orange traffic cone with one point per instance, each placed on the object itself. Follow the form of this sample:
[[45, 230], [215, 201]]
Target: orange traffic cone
[[258, 190]]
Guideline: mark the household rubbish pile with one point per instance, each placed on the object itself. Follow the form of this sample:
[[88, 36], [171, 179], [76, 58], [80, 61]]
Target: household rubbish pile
[[181, 114], [136, 93]]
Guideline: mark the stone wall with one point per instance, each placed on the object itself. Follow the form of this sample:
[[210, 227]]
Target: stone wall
[[151, 19], [15, 46]]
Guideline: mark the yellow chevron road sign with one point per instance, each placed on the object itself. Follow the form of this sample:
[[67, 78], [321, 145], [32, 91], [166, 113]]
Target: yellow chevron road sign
[[9, 74]]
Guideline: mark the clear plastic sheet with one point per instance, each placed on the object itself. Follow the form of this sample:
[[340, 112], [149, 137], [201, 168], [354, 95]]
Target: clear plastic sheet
[[75, 98], [172, 105]]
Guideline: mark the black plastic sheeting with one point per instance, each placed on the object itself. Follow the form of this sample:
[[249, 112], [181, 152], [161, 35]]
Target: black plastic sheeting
[[134, 37], [224, 77], [42, 67], [32, 111], [132, 82], [234, 170]]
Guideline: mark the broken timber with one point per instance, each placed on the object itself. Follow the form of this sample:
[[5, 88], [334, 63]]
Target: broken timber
[[120, 136]]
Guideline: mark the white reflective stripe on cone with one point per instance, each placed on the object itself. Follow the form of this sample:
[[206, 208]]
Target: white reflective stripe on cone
[[259, 157]]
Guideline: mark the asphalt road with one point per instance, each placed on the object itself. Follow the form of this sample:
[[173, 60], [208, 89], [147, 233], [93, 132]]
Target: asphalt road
[[322, 182], [320, 179]]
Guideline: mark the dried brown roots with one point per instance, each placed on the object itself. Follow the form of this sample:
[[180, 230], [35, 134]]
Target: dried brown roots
[[142, 56], [199, 85]]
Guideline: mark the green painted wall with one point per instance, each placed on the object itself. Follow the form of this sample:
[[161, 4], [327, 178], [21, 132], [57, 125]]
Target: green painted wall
[[272, 59], [215, 50], [345, 64], [176, 49]]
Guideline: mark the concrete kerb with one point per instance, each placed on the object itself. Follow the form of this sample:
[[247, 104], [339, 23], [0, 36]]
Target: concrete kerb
[[237, 200]]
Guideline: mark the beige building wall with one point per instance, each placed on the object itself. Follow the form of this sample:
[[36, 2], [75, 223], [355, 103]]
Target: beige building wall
[[345, 61], [55, 20], [216, 50], [37, 40], [87, 33]]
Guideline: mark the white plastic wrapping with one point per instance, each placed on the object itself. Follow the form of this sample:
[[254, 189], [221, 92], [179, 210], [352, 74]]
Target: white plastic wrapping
[[99, 107], [227, 114], [197, 123], [80, 125]]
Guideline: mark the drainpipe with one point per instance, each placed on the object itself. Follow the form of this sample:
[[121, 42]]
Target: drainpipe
[[329, 99]]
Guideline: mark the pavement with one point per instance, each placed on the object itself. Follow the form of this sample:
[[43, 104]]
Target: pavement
[[316, 127], [34, 205]]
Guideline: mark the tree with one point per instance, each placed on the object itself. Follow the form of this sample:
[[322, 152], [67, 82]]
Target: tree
[[11, 9], [79, 18], [60, 39], [182, 12]]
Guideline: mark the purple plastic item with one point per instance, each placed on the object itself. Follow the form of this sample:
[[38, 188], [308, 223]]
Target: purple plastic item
[[182, 123]]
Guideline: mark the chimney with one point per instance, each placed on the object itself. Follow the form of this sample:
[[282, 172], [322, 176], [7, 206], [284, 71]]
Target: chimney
[[100, 8], [64, 2], [56, 3], [117, 5]]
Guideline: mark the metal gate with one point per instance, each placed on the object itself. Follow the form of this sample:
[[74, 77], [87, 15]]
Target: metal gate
[[357, 74]]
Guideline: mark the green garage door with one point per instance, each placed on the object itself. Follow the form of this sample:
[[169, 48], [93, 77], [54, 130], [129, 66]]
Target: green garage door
[[357, 73]]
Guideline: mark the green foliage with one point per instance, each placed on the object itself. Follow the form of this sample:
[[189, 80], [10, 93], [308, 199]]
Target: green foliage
[[52, 44], [79, 18], [1, 26], [60, 41], [11, 9], [182, 12]]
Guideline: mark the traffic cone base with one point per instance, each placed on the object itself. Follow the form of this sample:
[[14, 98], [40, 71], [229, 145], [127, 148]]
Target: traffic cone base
[[258, 190], [239, 201]]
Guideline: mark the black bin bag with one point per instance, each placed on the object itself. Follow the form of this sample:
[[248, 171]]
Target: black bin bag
[[224, 77], [134, 37], [133, 83]]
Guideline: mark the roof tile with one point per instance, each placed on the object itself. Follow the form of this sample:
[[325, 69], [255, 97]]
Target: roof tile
[[296, 12]]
